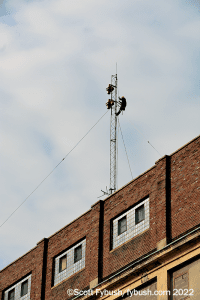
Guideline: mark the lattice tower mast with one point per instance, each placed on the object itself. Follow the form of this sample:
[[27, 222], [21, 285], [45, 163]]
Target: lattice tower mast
[[113, 137], [113, 103]]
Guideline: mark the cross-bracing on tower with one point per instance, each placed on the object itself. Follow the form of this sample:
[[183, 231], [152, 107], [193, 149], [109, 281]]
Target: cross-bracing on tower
[[116, 106]]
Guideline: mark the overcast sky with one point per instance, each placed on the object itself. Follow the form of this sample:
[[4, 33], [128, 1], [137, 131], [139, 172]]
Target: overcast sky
[[56, 60]]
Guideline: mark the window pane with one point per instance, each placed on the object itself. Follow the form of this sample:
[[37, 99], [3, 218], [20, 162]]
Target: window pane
[[139, 214], [63, 263], [181, 283], [122, 225], [24, 288], [11, 295], [78, 253]]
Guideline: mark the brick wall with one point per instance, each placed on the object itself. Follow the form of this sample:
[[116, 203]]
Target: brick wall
[[87, 226], [151, 184], [172, 187], [185, 188], [30, 263]]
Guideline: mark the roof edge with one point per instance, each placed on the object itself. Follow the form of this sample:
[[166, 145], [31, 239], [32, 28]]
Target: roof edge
[[18, 258]]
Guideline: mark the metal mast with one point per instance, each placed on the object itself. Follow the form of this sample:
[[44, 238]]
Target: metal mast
[[113, 137], [113, 104]]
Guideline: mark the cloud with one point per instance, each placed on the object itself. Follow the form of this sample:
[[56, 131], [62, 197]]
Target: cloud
[[56, 59], [190, 30]]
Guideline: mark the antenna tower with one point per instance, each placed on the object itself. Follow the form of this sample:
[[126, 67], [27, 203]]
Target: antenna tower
[[113, 103], [113, 137]]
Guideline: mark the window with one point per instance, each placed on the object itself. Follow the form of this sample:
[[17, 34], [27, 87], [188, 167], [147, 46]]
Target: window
[[149, 288], [129, 224], [24, 288], [122, 225], [139, 214], [63, 263], [19, 290], [181, 283], [77, 253], [69, 262], [11, 294]]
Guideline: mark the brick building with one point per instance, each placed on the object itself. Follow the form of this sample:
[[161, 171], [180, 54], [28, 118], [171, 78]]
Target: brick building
[[145, 236]]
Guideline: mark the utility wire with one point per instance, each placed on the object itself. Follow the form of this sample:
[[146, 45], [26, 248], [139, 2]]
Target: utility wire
[[125, 150], [144, 137], [85, 135], [53, 170], [154, 148], [147, 141]]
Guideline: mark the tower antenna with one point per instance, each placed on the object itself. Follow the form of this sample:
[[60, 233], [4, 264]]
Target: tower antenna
[[116, 106], [113, 135]]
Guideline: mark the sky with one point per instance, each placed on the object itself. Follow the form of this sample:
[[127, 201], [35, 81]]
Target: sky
[[56, 60]]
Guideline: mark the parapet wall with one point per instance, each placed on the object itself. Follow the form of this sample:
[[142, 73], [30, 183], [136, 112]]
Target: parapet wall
[[157, 207]]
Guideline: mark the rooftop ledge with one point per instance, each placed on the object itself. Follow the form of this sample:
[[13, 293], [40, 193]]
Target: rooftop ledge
[[151, 261]]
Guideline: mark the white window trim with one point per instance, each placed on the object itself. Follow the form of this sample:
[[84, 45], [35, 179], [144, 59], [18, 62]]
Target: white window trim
[[72, 267], [17, 288], [132, 228]]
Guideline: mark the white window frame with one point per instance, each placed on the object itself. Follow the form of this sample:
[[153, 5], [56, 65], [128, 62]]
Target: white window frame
[[119, 226], [60, 263], [136, 210], [76, 258], [132, 228], [72, 267], [17, 287]]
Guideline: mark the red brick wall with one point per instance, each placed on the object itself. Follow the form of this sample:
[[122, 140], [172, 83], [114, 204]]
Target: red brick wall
[[86, 226], [31, 262], [152, 184], [174, 209], [185, 188]]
